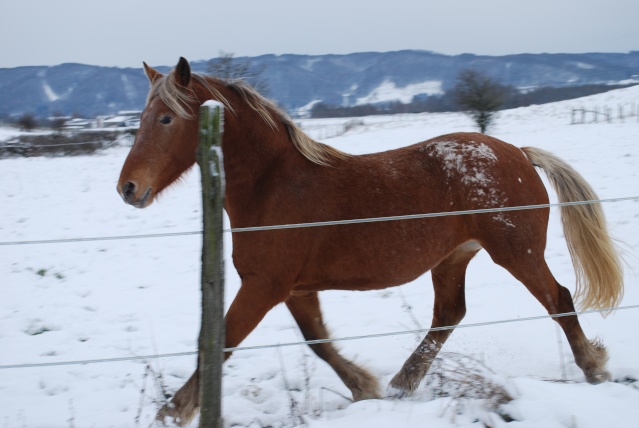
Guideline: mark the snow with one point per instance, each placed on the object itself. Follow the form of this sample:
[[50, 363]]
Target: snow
[[388, 91], [48, 91], [51, 94], [584, 66], [9, 133], [471, 163], [89, 300], [465, 159], [305, 110], [309, 65]]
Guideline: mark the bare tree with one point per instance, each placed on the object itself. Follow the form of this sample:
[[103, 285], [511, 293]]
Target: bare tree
[[227, 66], [27, 122], [479, 96]]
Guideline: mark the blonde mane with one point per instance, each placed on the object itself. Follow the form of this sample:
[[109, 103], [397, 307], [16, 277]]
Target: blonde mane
[[180, 99]]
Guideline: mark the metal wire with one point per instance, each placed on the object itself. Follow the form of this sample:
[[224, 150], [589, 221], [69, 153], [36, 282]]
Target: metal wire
[[429, 215], [317, 224], [100, 238], [313, 342], [327, 223]]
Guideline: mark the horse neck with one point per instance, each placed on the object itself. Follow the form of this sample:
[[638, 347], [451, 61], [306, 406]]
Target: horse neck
[[250, 145]]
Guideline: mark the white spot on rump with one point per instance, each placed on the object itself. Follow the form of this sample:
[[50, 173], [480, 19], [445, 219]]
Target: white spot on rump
[[471, 163], [502, 218]]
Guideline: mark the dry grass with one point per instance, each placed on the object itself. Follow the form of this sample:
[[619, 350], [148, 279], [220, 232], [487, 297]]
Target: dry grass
[[462, 378]]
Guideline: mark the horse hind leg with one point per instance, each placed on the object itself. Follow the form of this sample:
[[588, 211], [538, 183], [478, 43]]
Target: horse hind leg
[[305, 308], [590, 355], [449, 309], [530, 268]]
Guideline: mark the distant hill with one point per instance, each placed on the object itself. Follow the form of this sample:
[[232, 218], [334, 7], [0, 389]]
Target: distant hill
[[296, 82]]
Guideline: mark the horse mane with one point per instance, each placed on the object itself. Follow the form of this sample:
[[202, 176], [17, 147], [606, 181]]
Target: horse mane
[[180, 99]]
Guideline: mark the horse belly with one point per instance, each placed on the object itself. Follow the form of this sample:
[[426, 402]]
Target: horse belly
[[376, 256]]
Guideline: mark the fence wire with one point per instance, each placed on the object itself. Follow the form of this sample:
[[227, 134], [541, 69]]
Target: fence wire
[[326, 223], [318, 224], [315, 342]]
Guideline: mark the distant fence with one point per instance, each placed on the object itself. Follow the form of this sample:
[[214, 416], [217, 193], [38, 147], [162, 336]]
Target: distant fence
[[605, 114], [64, 143], [324, 132]]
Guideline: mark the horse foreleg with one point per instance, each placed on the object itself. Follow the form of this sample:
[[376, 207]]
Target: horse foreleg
[[185, 403], [449, 309], [305, 308], [251, 303]]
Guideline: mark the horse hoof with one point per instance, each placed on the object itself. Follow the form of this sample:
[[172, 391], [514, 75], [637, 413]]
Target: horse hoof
[[395, 393], [169, 416], [401, 385], [366, 395], [599, 377]]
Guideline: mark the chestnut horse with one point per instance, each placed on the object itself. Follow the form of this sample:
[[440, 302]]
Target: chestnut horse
[[276, 174]]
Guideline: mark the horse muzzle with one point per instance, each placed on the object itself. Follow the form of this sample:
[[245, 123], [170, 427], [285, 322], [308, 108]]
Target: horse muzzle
[[129, 192]]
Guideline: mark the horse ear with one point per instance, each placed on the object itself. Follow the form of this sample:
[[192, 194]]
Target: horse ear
[[183, 72], [151, 73]]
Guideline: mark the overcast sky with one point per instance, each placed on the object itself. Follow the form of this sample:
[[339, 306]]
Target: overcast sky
[[124, 33]]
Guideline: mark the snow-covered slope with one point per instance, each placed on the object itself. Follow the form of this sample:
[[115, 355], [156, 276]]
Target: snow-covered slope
[[295, 81], [90, 300]]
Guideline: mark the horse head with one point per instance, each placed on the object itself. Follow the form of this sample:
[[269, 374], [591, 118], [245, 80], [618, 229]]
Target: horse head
[[165, 145]]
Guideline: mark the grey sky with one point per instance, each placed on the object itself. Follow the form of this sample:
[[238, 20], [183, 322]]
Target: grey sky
[[124, 33]]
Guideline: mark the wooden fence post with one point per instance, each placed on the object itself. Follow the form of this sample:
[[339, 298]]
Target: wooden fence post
[[212, 333]]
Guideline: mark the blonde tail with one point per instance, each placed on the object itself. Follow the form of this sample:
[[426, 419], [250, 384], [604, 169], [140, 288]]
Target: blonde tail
[[598, 266]]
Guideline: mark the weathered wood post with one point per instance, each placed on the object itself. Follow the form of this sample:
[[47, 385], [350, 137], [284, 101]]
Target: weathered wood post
[[212, 334]]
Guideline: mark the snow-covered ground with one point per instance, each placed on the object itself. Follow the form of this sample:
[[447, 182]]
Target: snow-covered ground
[[91, 300], [8, 133]]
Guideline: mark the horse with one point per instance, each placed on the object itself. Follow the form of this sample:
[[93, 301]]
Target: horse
[[276, 174]]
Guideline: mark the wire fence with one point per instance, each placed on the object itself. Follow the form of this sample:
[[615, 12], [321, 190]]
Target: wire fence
[[317, 341], [325, 223], [308, 225], [597, 114]]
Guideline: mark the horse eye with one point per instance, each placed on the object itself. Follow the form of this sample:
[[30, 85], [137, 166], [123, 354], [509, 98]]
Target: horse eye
[[165, 120]]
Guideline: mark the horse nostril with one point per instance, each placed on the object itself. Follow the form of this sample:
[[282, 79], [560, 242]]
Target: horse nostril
[[128, 190]]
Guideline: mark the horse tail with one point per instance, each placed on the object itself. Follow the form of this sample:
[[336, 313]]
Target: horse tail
[[598, 266]]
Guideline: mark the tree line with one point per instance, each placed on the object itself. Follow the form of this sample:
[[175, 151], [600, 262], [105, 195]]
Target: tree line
[[447, 102]]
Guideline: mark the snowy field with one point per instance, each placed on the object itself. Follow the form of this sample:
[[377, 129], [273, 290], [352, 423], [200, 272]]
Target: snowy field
[[92, 300]]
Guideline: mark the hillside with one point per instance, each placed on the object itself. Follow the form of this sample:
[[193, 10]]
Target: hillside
[[298, 81]]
